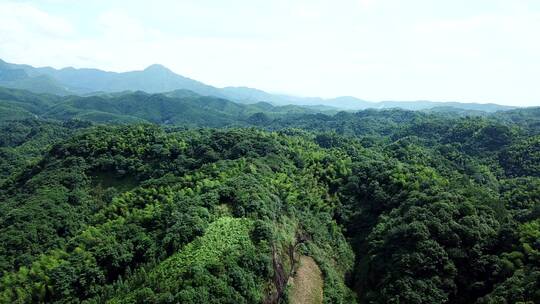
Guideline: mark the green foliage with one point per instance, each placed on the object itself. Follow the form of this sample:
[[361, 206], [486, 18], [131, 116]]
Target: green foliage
[[394, 206], [523, 158], [208, 269], [172, 108]]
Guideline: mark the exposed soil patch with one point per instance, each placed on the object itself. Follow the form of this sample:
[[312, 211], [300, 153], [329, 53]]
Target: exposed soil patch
[[307, 283]]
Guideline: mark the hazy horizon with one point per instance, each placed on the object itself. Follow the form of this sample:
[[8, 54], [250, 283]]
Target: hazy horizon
[[376, 50]]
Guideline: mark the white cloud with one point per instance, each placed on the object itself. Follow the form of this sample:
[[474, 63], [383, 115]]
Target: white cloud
[[374, 49], [29, 33], [21, 17]]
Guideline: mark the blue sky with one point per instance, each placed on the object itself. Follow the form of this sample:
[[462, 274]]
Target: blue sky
[[459, 50]]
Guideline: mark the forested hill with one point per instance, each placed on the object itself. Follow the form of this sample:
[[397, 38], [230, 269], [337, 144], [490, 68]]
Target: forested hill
[[171, 108], [178, 198], [183, 107]]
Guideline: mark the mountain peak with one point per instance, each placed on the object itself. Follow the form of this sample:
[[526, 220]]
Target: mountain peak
[[157, 67]]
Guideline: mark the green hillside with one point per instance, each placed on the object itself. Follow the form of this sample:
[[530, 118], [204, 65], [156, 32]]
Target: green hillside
[[392, 206], [174, 108]]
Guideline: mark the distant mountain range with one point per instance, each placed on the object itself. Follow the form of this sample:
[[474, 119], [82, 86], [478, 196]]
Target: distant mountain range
[[159, 79]]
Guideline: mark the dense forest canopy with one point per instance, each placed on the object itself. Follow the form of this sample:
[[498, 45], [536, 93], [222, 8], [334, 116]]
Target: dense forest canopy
[[179, 198]]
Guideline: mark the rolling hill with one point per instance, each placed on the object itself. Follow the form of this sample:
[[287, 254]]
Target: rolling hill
[[172, 108]]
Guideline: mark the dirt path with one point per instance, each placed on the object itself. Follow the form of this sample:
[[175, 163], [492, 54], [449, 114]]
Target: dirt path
[[307, 284]]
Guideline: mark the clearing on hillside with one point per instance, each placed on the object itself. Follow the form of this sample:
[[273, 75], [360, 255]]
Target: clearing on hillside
[[307, 284]]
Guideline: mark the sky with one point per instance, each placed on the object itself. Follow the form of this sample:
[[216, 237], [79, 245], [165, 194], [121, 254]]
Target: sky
[[459, 50]]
